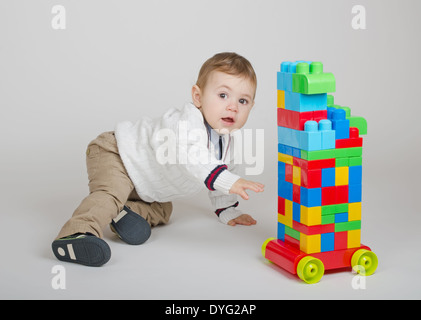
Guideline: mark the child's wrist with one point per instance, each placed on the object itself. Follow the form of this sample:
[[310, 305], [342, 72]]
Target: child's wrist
[[225, 181]]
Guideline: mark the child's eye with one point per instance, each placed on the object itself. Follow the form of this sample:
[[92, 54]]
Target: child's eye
[[223, 95], [243, 101]]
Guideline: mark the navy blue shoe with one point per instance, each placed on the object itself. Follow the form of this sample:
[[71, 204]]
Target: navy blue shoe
[[82, 248], [131, 227]]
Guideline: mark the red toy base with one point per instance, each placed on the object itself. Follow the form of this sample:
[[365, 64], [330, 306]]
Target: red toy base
[[288, 257]]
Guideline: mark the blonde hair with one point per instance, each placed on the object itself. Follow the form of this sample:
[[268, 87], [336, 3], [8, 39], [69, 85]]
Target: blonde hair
[[227, 62]]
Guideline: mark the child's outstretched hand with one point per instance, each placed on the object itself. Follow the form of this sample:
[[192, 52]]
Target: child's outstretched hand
[[244, 219], [241, 185]]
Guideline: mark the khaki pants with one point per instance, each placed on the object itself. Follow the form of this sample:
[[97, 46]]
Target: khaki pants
[[110, 188]]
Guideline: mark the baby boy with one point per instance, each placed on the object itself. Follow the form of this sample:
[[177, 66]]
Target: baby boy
[[137, 170]]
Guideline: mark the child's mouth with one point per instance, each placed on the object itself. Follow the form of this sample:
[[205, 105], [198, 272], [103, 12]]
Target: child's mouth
[[228, 120]]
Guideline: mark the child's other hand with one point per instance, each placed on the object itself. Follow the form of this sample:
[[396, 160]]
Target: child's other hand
[[244, 219], [241, 185]]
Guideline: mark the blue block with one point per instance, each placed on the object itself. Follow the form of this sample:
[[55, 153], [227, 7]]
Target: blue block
[[287, 81], [285, 189], [296, 211], [341, 217], [339, 123], [281, 231], [354, 193], [355, 174], [311, 138], [296, 152], [305, 102], [281, 170], [311, 197], [327, 241], [280, 81], [328, 135], [289, 137], [328, 177]]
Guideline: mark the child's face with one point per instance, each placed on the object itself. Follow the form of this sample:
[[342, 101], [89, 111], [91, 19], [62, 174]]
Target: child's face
[[226, 101]]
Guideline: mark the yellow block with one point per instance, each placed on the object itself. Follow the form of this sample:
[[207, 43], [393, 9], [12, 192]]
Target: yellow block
[[310, 243], [341, 176], [281, 99], [287, 218], [311, 216], [354, 211], [296, 175], [285, 158], [354, 238]]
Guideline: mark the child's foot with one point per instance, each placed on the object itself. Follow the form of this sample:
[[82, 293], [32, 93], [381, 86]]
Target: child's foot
[[82, 248], [131, 227]]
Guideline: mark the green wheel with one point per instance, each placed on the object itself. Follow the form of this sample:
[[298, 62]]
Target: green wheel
[[264, 246], [364, 262], [310, 269]]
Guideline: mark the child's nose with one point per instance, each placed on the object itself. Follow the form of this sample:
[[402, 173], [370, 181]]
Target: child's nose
[[232, 106]]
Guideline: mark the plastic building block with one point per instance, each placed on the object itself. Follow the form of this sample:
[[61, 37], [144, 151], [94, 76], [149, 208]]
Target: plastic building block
[[281, 99], [341, 176], [353, 141], [327, 242], [310, 79], [310, 139], [305, 102], [319, 177], [328, 177], [354, 211], [353, 238], [339, 123], [358, 122]]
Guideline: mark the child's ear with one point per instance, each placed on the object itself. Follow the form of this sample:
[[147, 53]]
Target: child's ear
[[196, 95]]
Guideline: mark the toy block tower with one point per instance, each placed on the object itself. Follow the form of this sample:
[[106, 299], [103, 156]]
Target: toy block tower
[[319, 170]]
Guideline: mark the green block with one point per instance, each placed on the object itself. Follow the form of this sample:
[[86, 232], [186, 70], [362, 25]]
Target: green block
[[330, 100], [355, 161], [328, 219], [341, 162], [292, 233], [312, 80], [318, 154], [334, 208], [346, 226], [331, 153]]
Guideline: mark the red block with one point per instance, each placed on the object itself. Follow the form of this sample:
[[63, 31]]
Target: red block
[[328, 196], [281, 205], [341, 240], [288, 172], [296, 193], [353, 141], [293, 119], [310, 230], [341, 194], [311, 178], [319, 115], [313, 164], [292, 241]]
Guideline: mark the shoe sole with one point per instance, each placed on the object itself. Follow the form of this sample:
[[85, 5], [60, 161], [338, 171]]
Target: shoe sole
[[89, 251], [131, 227]]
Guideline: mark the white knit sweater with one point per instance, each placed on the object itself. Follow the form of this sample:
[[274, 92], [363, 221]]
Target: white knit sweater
[[171, 157]]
